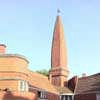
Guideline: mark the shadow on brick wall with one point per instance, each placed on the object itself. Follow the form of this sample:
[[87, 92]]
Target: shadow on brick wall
[[10, 96]]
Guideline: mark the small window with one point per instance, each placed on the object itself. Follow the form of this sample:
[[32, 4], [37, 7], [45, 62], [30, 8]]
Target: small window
[[26, 86], [42, 95], [66, 97], [23, 85]]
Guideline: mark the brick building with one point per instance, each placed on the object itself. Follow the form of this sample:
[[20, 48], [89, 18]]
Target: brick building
[[17, 82], [88, 87]]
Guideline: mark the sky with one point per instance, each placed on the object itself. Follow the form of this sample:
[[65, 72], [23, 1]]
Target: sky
[[26, 27]]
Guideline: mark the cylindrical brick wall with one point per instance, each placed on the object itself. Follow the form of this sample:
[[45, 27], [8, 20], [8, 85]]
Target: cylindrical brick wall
[[13, 63]]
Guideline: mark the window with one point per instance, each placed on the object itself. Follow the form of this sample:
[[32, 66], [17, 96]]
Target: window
[[23, 85], [26, 86], [66, 97], [69, 97], [42, 95]]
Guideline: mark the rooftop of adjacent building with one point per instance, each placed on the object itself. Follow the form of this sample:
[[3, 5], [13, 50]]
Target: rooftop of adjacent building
[[88, 84]]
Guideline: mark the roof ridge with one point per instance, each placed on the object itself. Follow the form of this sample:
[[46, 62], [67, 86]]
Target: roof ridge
[[94, 75]]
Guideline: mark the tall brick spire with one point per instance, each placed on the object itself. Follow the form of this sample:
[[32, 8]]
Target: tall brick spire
[[59, 70], [58, 54]]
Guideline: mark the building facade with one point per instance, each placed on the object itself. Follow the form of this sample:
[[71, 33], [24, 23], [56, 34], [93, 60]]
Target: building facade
[[17, 82]]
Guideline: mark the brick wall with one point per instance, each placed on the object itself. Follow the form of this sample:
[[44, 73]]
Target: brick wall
[[17, 96], [10, 84], [10, 79], [52, 96], [13, 63], [85, 97]]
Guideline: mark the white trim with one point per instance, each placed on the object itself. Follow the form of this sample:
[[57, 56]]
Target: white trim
[[26, 86], [67, 94]]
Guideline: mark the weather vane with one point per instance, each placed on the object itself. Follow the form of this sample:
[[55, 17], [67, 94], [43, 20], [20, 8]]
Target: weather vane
[[58, 11]]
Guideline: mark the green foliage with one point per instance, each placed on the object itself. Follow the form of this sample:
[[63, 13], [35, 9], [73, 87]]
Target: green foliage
[[43, 72]]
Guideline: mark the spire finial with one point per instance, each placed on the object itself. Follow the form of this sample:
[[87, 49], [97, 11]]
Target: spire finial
[[58, 11]]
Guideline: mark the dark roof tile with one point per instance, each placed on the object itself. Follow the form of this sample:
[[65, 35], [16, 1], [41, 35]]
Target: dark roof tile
[[89, 84]]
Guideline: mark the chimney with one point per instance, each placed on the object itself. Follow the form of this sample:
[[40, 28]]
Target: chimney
[[2, 48], [84, 75]]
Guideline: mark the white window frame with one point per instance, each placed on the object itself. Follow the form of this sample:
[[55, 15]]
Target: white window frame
[[67, 97], [22, 85]]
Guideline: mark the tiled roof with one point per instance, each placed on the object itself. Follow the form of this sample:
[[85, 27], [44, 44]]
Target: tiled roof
[[41, 81], [63, 90], [89, 84]]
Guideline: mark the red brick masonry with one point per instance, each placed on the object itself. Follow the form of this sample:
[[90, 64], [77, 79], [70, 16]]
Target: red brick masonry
[[85, 97], [17, 96]]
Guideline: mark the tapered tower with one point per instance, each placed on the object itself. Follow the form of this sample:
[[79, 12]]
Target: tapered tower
[[59, 70]]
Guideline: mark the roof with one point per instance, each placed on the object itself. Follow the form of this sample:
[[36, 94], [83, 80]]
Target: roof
[[64, 90], [41, 81], [89, 84]]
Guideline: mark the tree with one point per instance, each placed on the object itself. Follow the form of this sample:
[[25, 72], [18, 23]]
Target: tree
[[43, 72]]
